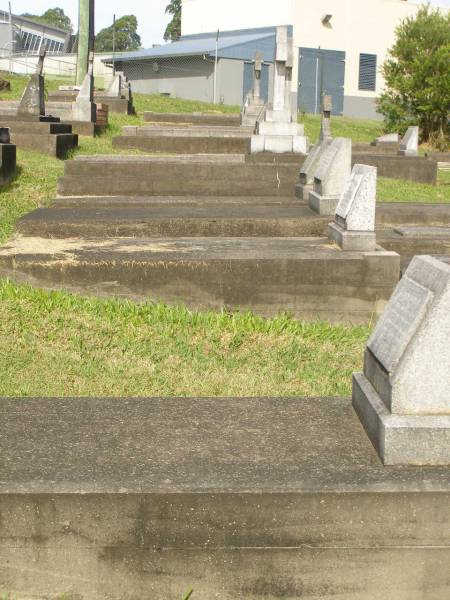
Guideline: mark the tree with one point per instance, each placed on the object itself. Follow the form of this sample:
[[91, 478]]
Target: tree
[[173, 29], [53, 16], [127, 37], [417, 75]]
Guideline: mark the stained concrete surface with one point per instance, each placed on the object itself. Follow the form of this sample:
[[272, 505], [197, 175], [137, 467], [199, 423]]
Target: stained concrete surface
[[236, 498]]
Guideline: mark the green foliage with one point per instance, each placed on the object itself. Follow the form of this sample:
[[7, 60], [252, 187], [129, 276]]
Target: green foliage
[[127, 37], [173, 29], [417, 74], [53, 16]]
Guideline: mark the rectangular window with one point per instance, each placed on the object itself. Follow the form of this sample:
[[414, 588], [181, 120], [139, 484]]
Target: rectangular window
[[368, 72]]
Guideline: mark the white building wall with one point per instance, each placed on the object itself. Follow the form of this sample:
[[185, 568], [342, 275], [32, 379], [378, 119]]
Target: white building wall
[[357, 26], [204, 16]]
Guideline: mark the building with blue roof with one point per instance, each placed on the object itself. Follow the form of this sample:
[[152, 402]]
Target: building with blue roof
[[186, 68]]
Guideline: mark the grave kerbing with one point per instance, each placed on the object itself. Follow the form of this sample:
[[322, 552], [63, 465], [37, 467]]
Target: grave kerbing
[[403, 396], [330, 176], [354, 225]]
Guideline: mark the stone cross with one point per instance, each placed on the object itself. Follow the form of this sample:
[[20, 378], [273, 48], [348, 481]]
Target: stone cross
[[409, 146], [281, 58], [403, 395], [354, 226], [325, 129], [257, 70], [86, 37]]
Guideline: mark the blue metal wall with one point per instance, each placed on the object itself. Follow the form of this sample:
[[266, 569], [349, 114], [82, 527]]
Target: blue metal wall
[[320, 71]]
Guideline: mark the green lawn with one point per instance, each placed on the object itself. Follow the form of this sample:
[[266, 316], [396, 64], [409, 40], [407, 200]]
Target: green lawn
[[58, 344]]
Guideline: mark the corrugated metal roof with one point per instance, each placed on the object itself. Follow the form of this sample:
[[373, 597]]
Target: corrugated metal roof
[[231, 46]]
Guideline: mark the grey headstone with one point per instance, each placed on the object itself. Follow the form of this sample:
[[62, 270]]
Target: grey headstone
[[84, 109], [32, 103], [356, 209], [409, 146], [334, 168], [405, 386]]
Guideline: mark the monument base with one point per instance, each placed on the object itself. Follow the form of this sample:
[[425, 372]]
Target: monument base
[[401, 439], [353, 241], [302, 191], [323, 205], [408, 153], [279, 144]]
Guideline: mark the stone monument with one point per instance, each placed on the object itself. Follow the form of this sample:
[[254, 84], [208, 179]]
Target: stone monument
[[309, 167], [409, 146], [84, 109], [354, 225], [32, 103], [278, 131], [333, 170], [403, 395], [254, 105]]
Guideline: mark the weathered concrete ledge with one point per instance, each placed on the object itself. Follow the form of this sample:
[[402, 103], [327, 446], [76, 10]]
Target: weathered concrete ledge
[[203, 175], [411, 168], [193, 118], [412, 241], [53, 138], [308, 277], [237, 498], [198, 144]]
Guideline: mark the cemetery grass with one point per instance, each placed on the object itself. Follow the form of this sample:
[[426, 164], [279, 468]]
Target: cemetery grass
[[59, 344]]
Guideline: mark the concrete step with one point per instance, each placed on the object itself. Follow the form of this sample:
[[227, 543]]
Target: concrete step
[[306, 276], [58, 145], [233, 497], [217, 217], [218, 175], [194, 118], [411, 241], [35, 127], [197, 144], [156, 130], [173, 220]]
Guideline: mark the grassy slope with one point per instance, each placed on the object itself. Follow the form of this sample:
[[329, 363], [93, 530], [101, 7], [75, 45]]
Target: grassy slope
[[53, 343]]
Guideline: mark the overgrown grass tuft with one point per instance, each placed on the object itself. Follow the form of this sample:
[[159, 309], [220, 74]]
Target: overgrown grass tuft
[[59, 344]]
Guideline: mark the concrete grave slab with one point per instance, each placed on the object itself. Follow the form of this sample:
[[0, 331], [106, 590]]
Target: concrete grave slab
[[275, 497]]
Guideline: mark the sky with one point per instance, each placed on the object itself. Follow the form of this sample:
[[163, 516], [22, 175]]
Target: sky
[[150, 13]]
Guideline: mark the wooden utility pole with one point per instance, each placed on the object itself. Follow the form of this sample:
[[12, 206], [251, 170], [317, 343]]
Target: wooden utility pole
[[86, 37]]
